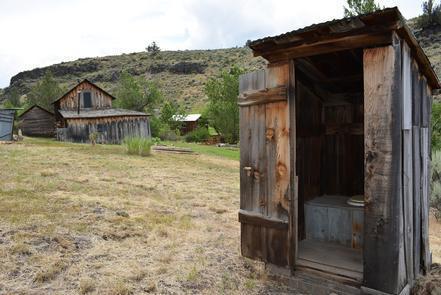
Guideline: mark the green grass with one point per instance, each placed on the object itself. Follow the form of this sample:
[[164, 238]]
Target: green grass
[[211, 150]]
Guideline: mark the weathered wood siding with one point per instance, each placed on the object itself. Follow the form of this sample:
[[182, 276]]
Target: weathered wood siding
[[37, 122], [100, 99], [265, 176], [111, 130]]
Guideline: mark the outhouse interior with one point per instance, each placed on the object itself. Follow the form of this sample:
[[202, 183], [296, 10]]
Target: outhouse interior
[[330, 161]]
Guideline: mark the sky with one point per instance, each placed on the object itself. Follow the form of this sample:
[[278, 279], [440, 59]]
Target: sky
[[38, 33]]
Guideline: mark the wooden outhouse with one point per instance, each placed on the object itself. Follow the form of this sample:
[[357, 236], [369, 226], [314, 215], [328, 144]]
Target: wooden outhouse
[[335, 155], [87, 109], [37, 121]]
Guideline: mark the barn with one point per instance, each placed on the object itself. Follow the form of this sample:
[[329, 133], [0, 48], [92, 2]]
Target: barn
[[87, 109], [335, 156], [37, 121]]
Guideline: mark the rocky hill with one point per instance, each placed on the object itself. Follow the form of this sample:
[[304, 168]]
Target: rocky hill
[[181, 75]]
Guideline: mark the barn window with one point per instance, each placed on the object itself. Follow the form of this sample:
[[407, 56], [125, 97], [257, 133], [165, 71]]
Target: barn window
[[87, 100]]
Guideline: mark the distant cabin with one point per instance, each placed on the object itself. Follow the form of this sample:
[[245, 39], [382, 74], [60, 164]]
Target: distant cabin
[[87, 109], [189, 122], [37, 121]]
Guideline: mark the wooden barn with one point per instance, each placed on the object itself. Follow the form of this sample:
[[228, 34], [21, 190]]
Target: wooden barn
[[37, 121], [335, 156], [87, 109]]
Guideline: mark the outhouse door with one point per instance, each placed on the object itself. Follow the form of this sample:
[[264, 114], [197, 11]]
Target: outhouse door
[[266, 179]]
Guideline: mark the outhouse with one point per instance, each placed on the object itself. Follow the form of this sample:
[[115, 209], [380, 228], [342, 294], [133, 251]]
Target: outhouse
[[335, 155]]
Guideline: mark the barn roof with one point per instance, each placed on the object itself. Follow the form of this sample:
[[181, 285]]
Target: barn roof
[[35, 106], [187, 118], [85, 80], [367, 30], [100, 113]]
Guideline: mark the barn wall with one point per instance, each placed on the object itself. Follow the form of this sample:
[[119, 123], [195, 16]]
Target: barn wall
[[37, 122], [100, 99], [111, 130]]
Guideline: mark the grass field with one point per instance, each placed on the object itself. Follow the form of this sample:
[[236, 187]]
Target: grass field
[[77, 219]]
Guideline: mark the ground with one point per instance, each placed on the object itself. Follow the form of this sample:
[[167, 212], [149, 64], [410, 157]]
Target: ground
[[77, 219], [80, 219]]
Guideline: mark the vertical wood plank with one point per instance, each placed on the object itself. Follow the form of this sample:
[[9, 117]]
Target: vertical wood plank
[[407, 87], [408, 201], [407, 160], [293, 210], [383, 97], [425, 251], [416, 199]]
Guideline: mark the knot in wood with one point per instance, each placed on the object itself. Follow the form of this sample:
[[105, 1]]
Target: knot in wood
[[269, 134], [281, 169]]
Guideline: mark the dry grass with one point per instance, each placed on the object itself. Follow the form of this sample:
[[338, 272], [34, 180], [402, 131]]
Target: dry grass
[[63, 229]]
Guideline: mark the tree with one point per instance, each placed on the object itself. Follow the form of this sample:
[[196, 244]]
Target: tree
[[431, 15], [222, 109], [357, 7], [170, 111], [153, 48], [45, 91], [12, 99], [137, 94]]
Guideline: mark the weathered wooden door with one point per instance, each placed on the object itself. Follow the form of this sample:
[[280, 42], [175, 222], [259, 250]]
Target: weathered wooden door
[[266, 175]]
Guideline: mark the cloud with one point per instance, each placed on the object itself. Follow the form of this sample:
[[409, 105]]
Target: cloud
[[40, 33]]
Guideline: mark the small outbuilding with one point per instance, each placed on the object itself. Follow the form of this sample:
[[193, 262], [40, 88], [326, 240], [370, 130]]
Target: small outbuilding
[[335, 156], [7, 117], [37, 121], [189, 122], [87, 109]]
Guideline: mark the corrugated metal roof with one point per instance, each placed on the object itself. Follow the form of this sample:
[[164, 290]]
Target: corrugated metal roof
[[379, 22], [313, 27], [100, 113], [187, 118]]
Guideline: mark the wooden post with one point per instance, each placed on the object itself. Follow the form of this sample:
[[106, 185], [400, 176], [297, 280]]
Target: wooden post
[[383, 249]]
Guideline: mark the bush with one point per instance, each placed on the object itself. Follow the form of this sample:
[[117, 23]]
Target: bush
[[435, 196], [138, 146], [198, 135], [165, 133]]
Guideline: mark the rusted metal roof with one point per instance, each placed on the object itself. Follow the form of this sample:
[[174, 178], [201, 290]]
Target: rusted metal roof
[[84, 114], [362, 26]]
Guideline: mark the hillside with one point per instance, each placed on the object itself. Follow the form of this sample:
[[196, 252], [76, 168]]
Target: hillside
[[180, 74]]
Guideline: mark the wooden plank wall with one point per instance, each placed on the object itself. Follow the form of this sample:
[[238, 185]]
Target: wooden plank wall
[[100, 100], [383, 211], [111, 130], [37, 122], [265, 166]]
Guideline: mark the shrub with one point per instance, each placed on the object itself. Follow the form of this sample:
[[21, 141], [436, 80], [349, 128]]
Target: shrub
[[138, 146], [93, 137], [165, 133], [199, 135], [435, 196]]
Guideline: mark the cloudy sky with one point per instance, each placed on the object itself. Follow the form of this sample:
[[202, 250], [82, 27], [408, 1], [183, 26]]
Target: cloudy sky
[[39, 33]]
